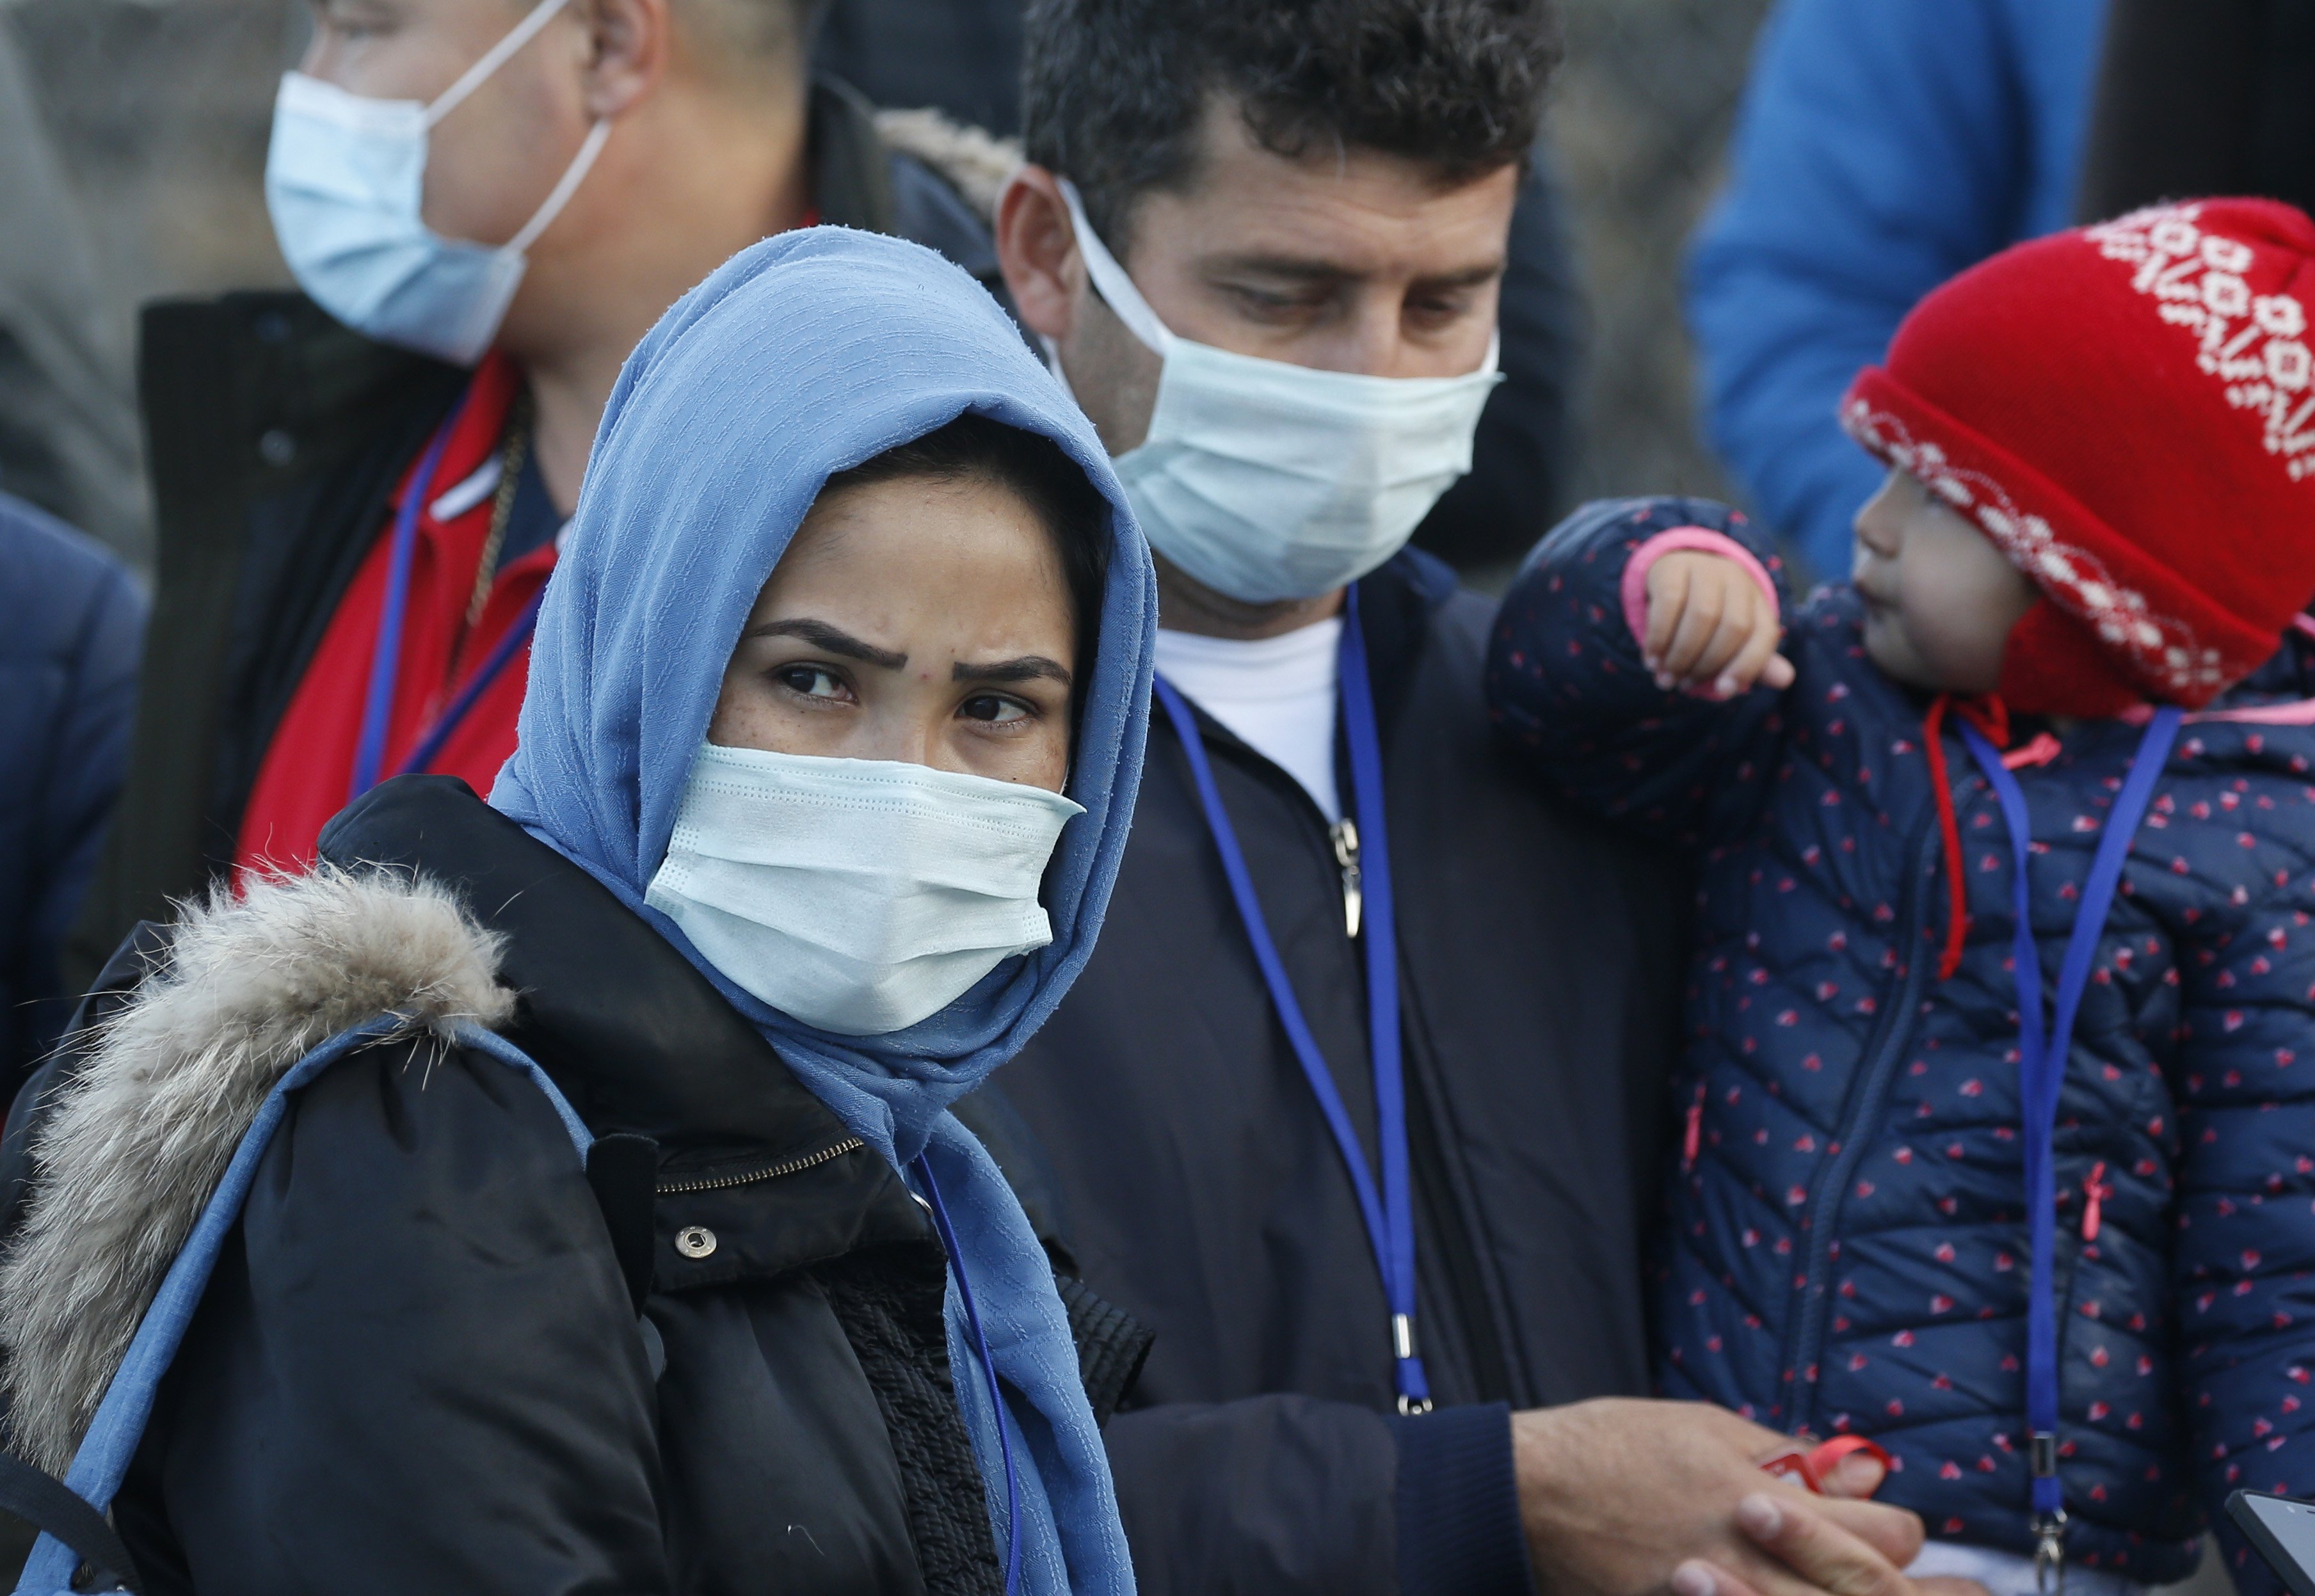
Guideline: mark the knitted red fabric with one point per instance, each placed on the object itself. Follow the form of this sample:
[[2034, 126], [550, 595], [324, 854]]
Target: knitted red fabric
[[2128, 411]]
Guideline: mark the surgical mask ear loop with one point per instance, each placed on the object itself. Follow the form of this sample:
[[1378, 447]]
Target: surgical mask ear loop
[[494, 57], [1053, 364], [1111, 283], [572, 176], [475, 76]]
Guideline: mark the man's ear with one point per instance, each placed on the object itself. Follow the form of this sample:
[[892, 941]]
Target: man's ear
[[631, 42], [1037, 249]]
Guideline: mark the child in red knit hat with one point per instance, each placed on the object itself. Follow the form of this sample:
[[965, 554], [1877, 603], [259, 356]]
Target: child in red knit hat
[[1997, 1132]]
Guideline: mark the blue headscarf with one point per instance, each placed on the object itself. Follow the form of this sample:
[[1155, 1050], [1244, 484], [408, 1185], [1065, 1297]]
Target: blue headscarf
[[803, 356]]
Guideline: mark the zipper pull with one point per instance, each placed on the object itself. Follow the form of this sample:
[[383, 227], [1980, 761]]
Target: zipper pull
[[1345, 833], [1695, 1137], [2096, 1191]]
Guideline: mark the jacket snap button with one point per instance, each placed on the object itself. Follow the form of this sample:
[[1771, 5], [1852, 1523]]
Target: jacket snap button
[[695, 1241]]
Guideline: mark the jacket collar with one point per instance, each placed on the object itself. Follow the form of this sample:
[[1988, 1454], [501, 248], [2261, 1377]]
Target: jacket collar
[[631, 1032], [851, 175], [643, 1045], [1396, 604]]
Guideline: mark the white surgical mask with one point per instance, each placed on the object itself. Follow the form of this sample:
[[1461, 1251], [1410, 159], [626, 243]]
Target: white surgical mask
[[858, 896], [1266, 481], [345, 182]]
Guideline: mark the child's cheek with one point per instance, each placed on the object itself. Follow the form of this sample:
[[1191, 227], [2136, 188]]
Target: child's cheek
[[1959, 648], [1887, 646]]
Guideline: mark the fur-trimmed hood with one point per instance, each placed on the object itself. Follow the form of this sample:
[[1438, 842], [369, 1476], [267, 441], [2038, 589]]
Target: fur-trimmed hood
[[976, 164], [134, 1142]]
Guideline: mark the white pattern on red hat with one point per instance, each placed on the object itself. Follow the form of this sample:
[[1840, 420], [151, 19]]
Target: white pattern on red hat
[[2165, 646], [2200, 278]]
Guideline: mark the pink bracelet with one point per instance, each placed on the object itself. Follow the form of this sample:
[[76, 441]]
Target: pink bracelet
[[1700, 539]]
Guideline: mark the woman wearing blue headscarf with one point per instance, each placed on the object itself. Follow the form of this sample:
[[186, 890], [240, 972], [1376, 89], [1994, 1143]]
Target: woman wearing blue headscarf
[[834, 724]]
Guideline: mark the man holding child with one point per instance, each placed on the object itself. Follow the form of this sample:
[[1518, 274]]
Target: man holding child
[[1354, 1103]]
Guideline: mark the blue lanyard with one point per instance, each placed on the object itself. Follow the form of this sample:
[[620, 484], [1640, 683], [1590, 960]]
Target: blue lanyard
[[2042, 1074], [386, 655], [1389, 1216], [924, 1170]]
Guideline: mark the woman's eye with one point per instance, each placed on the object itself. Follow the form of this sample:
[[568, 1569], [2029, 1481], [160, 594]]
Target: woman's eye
[[813, 681], [987, 707]]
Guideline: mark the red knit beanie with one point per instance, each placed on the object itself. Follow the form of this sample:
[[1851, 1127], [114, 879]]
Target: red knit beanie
[[2128, 411]]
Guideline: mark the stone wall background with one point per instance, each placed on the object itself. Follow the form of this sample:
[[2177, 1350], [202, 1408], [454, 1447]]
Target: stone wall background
[[158, 111]]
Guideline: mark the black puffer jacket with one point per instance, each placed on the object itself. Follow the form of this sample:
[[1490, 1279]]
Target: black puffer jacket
[[420, 1364]]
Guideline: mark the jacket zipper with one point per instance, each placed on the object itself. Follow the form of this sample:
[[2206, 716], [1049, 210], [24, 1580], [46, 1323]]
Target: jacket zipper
[[1426, 1148], [1832, 1184], [1345, 835], [826, 1154]]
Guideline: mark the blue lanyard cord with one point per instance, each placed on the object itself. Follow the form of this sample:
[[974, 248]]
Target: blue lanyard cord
[[386, 654], [2041, 1072], [492, 666], [924, 1172], [1389, 1214]]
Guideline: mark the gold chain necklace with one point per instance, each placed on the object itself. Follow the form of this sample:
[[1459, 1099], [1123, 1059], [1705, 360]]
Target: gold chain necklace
[[511, 459]]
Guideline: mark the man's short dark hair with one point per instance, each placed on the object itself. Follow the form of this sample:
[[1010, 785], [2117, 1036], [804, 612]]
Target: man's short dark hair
[[1113, 91]]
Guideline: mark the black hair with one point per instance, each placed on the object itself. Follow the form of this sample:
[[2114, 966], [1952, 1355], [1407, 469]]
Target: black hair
[[1113, 91], [973, 448]]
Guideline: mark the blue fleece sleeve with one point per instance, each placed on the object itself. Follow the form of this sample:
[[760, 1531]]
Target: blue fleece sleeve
[[1570, 693], [85, 758], [1884, 145]]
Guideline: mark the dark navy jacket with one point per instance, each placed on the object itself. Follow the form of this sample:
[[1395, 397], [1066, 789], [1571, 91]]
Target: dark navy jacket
[[1846, 1246], [70, 627], [1200, 1190]]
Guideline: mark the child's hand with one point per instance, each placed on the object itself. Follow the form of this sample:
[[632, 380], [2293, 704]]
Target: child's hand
[[1710, 628]]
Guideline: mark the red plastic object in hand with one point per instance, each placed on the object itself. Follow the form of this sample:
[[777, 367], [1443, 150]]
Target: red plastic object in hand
[[2095, 1191], [1807, 1466]]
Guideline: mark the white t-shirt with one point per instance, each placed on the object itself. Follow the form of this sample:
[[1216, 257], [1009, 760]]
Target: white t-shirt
[[1277, 694]]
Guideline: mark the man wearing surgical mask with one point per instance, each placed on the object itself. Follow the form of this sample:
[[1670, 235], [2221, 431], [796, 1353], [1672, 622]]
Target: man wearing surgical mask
[[1354, 1104], [359, 488]]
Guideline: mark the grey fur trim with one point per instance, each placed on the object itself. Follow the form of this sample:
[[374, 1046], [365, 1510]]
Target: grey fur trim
[[134, 1147], [977, 165]]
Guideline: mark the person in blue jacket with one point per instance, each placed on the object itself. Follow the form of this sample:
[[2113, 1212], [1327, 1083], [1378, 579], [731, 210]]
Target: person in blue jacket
[[1995, 1140], [1883, 146], [71, 628]]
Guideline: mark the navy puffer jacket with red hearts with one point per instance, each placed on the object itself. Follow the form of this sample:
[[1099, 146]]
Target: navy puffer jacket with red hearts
[[1844, 1249]]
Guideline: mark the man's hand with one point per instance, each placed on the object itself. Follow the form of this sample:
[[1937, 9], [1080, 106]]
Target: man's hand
[[1819, 1552], [1617, 1494], [1710, 628]]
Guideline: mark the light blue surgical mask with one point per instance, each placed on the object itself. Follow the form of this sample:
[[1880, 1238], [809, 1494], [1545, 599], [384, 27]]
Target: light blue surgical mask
[[1268, 481], [860, 896], [345, 182]]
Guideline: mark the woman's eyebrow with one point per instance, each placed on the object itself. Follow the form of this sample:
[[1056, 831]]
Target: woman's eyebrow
[[1028, 667], [834, 639]]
